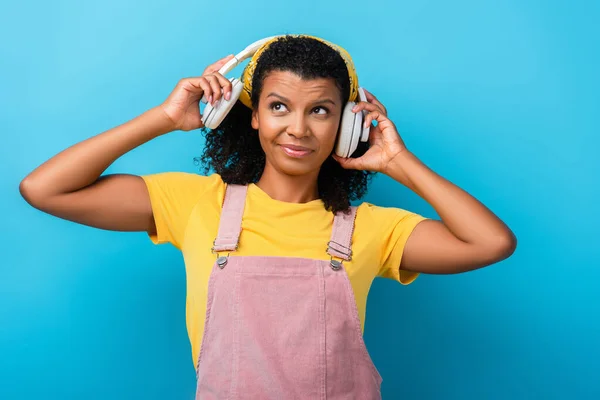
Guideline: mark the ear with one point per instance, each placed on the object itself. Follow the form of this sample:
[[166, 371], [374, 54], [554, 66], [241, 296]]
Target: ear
[[254, 121]]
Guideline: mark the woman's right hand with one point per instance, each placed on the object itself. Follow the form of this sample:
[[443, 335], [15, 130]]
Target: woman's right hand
[[182, 106]]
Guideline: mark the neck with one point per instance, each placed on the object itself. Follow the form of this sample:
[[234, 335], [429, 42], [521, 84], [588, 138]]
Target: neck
[[289, 188]]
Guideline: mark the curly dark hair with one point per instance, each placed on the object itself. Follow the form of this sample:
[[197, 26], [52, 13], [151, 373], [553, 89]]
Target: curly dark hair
[[233, 149]]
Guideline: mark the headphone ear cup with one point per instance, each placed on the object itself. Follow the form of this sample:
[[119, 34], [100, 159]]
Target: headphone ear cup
[[350, 131], [346, 131], [364, 136], [359, 118], [214, 115]]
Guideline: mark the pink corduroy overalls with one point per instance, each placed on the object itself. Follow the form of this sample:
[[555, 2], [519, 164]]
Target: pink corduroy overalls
[[282, 327]]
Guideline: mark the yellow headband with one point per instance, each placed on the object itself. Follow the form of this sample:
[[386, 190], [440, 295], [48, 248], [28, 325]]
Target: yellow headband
[[249, 70]]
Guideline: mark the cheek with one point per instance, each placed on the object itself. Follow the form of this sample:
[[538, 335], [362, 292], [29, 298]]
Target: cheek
[[325, 132], [327, 136], [267, 134], [269, 129], [272, 125]]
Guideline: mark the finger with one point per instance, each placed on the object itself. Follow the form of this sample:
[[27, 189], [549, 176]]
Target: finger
[[366, 106], [347, 163], [220, 85], [374, 115], [215, 88], [201, 85], [372, 99], [216, 66], [225, 85]]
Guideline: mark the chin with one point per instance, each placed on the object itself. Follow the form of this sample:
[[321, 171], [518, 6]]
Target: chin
[[297, 167], [294, 169]]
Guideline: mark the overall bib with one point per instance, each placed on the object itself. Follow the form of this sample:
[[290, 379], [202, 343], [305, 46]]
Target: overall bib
[[282, 327]]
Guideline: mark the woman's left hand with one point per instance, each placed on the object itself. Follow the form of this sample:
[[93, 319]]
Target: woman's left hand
[[384, 141]]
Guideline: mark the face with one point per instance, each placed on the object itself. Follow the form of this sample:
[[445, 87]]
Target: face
[[297, 121]]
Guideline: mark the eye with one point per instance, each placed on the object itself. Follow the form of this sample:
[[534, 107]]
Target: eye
[[276, 106], [323, 109]]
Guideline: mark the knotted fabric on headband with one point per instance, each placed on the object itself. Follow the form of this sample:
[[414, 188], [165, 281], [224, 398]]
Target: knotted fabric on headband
[[249, 70]]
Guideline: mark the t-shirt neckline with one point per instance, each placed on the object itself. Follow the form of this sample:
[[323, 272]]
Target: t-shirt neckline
[[253, 189]]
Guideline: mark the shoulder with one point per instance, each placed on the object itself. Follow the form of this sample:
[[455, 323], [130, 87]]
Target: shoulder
[[384, 222], [187, 179], [183, 188], [184, 182], [371, 213]]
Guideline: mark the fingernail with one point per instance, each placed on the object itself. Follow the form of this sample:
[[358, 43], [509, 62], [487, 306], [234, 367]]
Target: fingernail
[[366, 124], [227, 96], [210, 99], [354, 108]]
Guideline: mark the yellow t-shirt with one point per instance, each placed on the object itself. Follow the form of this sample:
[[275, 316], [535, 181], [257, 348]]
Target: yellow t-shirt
[[187, 208]]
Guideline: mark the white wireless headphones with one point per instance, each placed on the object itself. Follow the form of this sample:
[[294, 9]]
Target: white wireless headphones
[[351, 129]]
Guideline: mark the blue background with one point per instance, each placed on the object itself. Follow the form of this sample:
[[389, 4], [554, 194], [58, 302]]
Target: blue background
[[501, 98]]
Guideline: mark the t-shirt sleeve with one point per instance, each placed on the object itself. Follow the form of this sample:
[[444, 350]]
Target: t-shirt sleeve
[[173, 196], [397, 225]]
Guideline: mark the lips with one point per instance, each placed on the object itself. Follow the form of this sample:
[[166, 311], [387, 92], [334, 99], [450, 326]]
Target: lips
[[295, 151], [296, 148]]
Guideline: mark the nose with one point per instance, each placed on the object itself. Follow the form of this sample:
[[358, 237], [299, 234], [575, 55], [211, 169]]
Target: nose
[[298, 126]]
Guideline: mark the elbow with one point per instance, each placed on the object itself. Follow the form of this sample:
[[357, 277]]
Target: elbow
[[505, 246], [28, 191], [25, 189]]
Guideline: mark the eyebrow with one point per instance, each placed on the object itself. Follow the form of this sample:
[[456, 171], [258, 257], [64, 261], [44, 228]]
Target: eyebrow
[[326, 100]]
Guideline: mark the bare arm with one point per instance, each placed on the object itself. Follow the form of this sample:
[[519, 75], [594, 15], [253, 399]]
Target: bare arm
[[70, 186], [468, 237]]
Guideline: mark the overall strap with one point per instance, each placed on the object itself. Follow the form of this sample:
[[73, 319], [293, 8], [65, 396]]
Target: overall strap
[[230, 224], [340, 244]]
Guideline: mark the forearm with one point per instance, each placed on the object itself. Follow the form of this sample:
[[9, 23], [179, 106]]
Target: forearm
[[464, 216], [83, 163]]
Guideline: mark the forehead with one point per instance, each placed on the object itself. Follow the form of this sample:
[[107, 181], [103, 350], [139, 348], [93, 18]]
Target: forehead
[[293, 86]]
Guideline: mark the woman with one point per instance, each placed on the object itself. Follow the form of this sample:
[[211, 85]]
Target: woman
[[278, 263]]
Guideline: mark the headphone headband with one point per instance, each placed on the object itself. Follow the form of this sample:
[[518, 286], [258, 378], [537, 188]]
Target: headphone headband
[[255, 49], [242, 55]]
